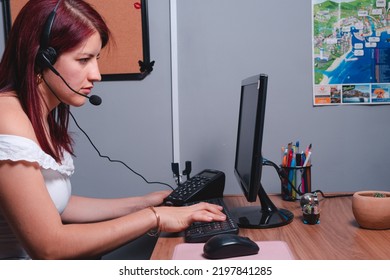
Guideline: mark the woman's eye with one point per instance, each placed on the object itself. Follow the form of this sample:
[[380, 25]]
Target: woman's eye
[[83, 60]]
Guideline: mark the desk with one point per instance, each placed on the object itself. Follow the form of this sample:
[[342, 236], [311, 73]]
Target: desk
[[338, 236]]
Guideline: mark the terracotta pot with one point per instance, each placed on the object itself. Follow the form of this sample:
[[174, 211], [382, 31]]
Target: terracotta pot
[[371, 212]]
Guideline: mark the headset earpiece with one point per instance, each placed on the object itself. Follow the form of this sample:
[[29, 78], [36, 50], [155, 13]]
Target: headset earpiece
[[47, 57]]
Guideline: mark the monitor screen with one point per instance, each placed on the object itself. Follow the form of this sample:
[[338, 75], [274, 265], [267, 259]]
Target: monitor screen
[[249, 161]]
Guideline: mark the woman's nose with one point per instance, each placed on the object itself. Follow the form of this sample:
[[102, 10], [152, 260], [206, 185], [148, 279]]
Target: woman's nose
[[94, 74]]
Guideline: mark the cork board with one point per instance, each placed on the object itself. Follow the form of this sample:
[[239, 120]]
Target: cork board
[[127, 57]]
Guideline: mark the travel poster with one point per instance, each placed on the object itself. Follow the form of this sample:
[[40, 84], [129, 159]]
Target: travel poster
[[351, 52]]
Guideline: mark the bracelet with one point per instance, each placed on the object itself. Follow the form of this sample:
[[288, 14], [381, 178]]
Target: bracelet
[[155, 232]]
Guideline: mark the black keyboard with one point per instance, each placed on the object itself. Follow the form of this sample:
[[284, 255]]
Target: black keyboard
[[202, 231]]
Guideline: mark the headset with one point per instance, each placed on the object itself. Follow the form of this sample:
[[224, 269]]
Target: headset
[[47, 55]]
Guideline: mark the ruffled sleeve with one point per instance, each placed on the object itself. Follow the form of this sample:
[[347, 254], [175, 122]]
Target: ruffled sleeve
[[16, 148]]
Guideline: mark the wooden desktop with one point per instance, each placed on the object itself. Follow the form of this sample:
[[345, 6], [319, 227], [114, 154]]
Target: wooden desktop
[[336, 237]]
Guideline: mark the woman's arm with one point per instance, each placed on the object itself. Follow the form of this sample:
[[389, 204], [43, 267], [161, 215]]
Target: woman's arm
[[86, 209], [27, 206]]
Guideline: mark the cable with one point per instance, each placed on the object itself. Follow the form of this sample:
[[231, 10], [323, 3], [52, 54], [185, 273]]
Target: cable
[[97, 150], [282, 175], [115, 160]]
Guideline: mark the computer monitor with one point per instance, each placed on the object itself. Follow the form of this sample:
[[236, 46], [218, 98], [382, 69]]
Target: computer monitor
[[249, 161]]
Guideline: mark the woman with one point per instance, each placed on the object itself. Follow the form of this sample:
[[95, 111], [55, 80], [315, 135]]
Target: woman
[[39, 218]]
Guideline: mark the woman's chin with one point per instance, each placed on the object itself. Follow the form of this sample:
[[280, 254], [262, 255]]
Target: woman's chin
[[79, 102]]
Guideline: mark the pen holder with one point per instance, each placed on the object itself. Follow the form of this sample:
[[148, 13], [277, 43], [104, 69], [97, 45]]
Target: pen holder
[[298, 177]]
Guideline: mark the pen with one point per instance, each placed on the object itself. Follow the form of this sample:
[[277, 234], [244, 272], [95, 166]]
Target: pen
[[284, 156], [293, 176], [308, 149], [303, 173], [289, 157], [290, 180], [307, 160]]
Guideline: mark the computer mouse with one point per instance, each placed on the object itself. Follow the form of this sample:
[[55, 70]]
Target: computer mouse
[[229, 246]]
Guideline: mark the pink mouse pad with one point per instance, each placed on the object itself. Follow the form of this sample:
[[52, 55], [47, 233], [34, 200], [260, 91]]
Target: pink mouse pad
[[269, 250]]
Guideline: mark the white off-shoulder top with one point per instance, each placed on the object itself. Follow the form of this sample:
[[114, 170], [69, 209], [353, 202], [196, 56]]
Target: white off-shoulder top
[[16, 148]]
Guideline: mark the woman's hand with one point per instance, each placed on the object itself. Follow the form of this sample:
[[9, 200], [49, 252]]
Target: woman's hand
[[156, 198], [175, 219]]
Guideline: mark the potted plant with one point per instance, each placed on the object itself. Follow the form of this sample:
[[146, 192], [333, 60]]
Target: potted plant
[[372, 209]]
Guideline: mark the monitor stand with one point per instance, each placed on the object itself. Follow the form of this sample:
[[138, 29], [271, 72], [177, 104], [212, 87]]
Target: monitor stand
[[267, 215]]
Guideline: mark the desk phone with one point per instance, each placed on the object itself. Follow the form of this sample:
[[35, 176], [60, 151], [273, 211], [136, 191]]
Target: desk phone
[[206, 185]]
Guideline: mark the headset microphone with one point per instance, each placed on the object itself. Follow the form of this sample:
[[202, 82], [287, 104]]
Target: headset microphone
[[95, 100]]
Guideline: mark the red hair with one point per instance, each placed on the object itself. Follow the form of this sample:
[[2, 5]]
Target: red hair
[[74, 22]]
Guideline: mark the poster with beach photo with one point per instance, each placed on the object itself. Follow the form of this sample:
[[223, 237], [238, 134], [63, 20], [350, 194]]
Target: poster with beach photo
[[351, 52]]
